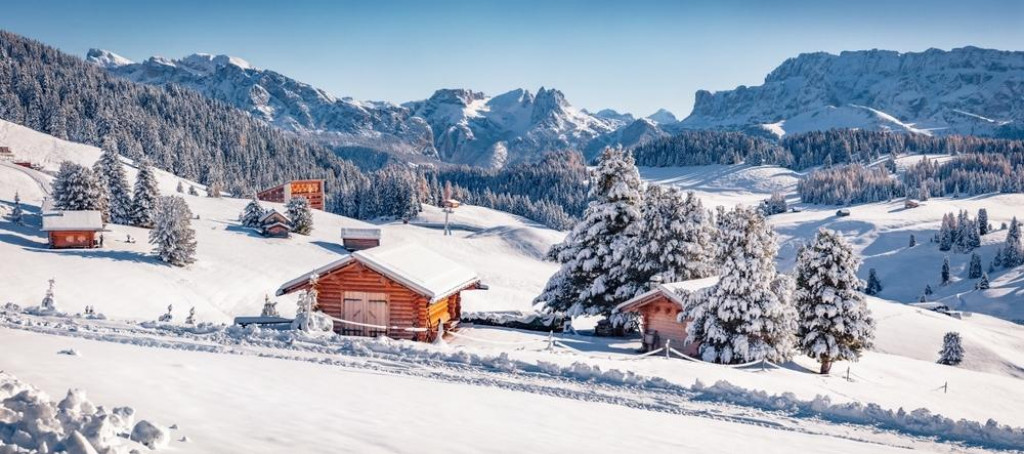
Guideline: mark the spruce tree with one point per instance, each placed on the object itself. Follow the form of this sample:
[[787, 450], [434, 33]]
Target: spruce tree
[[983, 227], [180, 188], [301, 215], [984, 284], [252, 213], [116, 183], [104, 200], [587, 283], [1013, 255], [913, 240], [833, 320], [172, 234], [946, 232], [952, 352], [748, 315], [192, 190], [874, 285], [146, 194], [974, 270], [17, 212], [945, 270], [76, 188]]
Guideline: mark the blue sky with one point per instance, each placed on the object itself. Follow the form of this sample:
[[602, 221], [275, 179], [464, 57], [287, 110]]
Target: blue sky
[[633, 56]]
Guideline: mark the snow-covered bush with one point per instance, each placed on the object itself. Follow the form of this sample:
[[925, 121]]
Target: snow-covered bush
[[834, 322], [252, 213], [48, 306], [952, 352], [167, 317], [775, 204], [150, 435], [307, 317], [269, 307], [172, 235]]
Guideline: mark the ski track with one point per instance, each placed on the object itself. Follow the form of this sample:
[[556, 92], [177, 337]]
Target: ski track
[[661, 396]]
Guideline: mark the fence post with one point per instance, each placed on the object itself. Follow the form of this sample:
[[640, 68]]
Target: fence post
[[945, 388], [764, 365], [847, 373], [551, 339], [668, 348]]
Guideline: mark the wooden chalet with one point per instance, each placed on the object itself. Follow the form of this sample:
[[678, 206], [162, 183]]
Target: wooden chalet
[[275, 225], [312, 190], [661, 311], [402, 291], [356, 239], [73, 229]]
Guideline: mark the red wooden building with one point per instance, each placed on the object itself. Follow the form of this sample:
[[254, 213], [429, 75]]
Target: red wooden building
[[312, 190], [401, 291], [661, 310], [73, 229]]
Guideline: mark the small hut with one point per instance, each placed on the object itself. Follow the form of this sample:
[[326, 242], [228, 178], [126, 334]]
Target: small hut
[[275, 225], [73, 229], [356, 239], [402, 291], [661, 311]]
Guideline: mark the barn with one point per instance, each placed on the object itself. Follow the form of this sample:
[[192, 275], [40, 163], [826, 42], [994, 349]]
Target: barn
[[72, 229], [660, 313], [312, 190], [402, 291], [275, 225]]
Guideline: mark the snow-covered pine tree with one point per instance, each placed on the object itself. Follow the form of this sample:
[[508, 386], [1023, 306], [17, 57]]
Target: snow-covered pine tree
[[252, 213], [192, 190], [76, 188], [172, 234], [180, 188], [269, 307], [928, 290], [301, 215], [116, 181], [874, 285], [946, 232], [974, 270], [307, 318], [833, 321], [775, 204], [166, 318], [146, 194], [104, 202], [49, 303], [952, 352], [945, 270], [672, 239], [983, 227], [594, 245], [191, 319], [913, 240], [17, 212], [1013, 255], [983, 284], [997, 260], [749, 314]]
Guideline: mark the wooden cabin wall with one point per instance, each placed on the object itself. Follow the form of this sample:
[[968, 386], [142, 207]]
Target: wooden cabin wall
[[404, 306], [72, 239], [661, 316]]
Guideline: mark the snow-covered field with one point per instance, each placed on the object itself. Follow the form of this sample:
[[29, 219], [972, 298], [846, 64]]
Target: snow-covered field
[[229, 389]]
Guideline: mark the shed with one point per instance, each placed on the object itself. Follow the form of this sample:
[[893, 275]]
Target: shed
[[72, 229], [402, 291], [274, 224], [356, 239], [661, 309]]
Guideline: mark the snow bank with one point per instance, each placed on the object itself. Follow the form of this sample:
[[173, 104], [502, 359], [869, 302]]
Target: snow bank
[[31, 422]]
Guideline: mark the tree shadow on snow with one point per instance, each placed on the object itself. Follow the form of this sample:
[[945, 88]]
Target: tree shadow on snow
[[333, 247], [248, 231], [22, 241], [121, 256]]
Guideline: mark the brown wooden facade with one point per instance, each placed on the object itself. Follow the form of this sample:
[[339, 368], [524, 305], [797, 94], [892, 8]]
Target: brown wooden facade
[[358, 293], [69, 239], [312, 190], [659, 315]]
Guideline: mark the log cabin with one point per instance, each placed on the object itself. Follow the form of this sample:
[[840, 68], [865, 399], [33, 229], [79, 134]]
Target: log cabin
[[73, 229], [275, 225], [356, 239], [662, 311], [402, 291], [312, 190]]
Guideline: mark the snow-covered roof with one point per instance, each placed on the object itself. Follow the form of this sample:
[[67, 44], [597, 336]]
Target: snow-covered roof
[[55, 221], [270, 214], [674, 291], [421, 270], [360, 233]]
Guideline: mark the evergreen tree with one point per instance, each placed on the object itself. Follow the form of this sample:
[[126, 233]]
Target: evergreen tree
[[945, 270], [983, 227], [1013, 255], [974, 270], [269, 307], [167, 317], [928, 290], [146, 194], [833, 320], [913, 240], [748, 315], [946, 232], [191, 319], [672, 239], [252, 213], [17, 212], [180, 188], [984, 284], [775, 204], [307, 317], [952, 352], [172, 234], [76, 188], [104, 200], [997, 260], [874, 285], [301, 215], [192, 190], [116, 183], [594, 246], [49, 304]]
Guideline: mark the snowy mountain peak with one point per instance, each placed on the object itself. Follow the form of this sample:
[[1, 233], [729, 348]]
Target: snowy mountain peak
[[106, 58], [613, 115], [663, 117], [208, 63]]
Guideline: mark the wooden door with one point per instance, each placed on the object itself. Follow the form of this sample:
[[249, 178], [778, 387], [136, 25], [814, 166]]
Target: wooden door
[[367, 309]]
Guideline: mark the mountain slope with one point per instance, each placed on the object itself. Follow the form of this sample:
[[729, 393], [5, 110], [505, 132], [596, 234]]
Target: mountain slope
[[962, 91]]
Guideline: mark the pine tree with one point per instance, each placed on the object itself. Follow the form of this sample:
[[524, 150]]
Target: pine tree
[[874, 285], [49, 304], [146, 194], [76, 188], [180, 188], [172, 234], [307, 318], [946, 232], [252, 213], [104, 200], [17, 212], [952, 352], [748, 315], [997, 260], [945, 270], [983, 227], [167, 317], [984, 284], [928, 290], [192, 190], [834, 323], [974, 270], [913, 240], [586, 282], [191, 319], [301, 215], [1013, 255], [672, 239], [116, 183]]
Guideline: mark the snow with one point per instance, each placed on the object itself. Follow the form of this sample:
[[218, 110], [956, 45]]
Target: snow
[[55, 221]]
